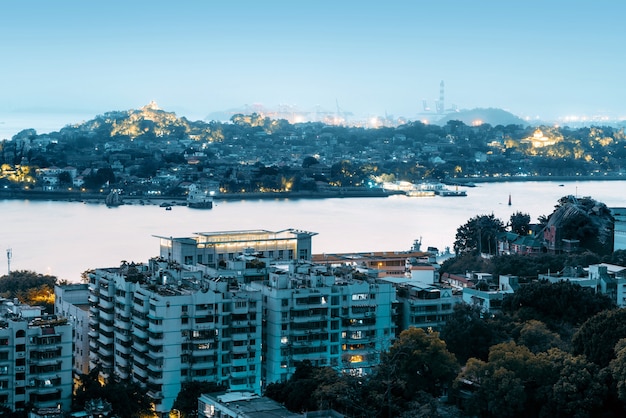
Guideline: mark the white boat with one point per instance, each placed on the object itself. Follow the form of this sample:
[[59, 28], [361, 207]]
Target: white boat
[[200, 198]]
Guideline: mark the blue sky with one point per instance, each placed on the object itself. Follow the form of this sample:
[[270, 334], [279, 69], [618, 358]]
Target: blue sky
[[533, 58]]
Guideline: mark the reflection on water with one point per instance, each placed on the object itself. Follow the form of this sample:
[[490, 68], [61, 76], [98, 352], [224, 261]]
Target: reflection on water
[[67, 238]]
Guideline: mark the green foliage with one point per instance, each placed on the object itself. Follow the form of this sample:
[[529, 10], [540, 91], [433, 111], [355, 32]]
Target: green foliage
[[127, 399], [187, 400], [518, 383], [597, 337], [478, 235], [467, 334], [555, 303], [536, 336], [520, 223], [30, 288]]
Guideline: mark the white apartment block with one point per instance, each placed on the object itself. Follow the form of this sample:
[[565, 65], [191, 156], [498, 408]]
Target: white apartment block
[[72, 302], [35, 358], [161, 325], [312, 314], [211, 248]]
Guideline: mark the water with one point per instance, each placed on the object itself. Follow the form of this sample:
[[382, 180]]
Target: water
[[67, 238]]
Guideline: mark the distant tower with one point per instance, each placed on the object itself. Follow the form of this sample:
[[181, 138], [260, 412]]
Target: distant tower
[[440, 103], [9, 255]]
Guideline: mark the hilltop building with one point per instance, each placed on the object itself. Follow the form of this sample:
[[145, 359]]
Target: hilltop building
[[35, 358]]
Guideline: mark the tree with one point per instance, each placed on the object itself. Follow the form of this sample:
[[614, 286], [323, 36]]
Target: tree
[[308, 161], [478, 235], [187, 400], [417, 362], [555, 303], [520, 223], [537, 337], [29, 287], [467, 334], [597, 337]]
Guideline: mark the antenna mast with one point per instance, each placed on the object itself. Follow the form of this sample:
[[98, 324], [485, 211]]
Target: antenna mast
[[9, 255]]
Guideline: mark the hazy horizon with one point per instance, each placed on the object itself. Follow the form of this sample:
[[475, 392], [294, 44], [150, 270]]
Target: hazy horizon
[[537, 60]]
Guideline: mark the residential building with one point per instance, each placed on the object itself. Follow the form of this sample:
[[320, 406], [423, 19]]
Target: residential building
[[423, 305], [161, 324], [210, 248], [72, 302], [385, 263], [35, 358], [241, 405], [619, 231], [489, 295], [611, 280], [326, 316]]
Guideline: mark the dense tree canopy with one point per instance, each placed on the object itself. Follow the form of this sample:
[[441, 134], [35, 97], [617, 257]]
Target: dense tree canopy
[[555, 303], [478, 235], [597, 337], [30, 288]]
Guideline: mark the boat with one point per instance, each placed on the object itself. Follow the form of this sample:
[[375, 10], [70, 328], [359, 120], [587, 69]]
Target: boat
[[199, 198]]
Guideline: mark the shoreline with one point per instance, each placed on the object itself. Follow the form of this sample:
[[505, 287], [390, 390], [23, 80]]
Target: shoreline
[[99, 198]]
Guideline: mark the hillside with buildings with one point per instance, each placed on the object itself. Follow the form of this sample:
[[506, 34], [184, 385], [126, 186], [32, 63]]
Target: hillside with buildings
[[151, 152]]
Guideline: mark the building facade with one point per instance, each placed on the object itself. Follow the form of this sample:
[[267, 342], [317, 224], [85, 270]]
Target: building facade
[[35, 358], [72, 302], [161, 325], [211, 248]]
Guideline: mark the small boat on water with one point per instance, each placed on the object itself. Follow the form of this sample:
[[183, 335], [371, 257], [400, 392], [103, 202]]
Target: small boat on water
[[199, 198]]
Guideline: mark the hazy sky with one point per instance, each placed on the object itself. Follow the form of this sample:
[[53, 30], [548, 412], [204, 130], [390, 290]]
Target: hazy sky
[[546, 58]]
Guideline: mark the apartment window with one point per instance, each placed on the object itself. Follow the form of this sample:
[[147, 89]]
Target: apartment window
[[290, 254], [280, 254], [303, 253], [188, 259], [199, 259]]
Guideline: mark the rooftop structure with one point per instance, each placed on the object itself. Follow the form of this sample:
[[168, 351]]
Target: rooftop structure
[[210, 248]]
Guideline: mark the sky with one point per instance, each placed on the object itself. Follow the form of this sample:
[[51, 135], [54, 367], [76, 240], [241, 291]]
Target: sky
[[537, 59]]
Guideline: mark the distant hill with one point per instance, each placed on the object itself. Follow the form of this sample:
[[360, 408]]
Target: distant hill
[[492, 116]]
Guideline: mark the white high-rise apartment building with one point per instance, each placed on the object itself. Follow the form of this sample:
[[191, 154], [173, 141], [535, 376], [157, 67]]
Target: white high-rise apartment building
[[35, 358], [311, 314], [161, 325]]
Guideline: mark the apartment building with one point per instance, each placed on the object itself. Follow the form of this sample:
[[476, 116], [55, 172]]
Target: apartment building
[[211, 248], [161, 325], [35, 358], [423, 305], [72, 302], [311, 313]]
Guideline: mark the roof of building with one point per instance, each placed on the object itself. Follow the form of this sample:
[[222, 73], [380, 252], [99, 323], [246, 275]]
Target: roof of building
[[251, 405], [373, 255]]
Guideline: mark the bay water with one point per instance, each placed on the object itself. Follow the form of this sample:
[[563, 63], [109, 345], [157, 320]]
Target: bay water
[[67, 238]]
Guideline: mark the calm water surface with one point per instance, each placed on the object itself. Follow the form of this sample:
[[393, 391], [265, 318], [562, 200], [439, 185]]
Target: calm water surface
[[67, 238]]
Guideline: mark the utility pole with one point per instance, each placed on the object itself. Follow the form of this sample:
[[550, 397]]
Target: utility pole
[[9, 255]]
